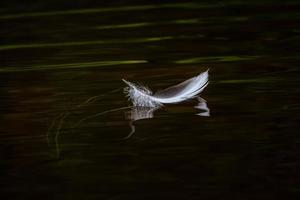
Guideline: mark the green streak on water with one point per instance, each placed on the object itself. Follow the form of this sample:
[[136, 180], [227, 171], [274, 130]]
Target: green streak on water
[[95, 42], [145, 24], [240, 81], [215, 59], [187, 21], [72, 65], [119, 26], [188, 5], [100, 10]]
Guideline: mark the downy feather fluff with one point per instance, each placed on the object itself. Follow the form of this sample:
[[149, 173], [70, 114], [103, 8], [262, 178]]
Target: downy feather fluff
[[141, 96]]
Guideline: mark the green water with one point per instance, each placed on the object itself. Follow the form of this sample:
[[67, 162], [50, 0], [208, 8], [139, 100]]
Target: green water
[[66, 131]]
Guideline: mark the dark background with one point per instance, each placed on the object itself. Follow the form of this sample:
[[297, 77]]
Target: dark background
[[61, 64]]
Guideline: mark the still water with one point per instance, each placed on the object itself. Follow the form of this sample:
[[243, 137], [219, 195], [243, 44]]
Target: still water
[[68, 131]]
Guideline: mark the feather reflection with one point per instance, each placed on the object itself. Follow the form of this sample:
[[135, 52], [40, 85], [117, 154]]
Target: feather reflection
[[202, 106], [138, 113]]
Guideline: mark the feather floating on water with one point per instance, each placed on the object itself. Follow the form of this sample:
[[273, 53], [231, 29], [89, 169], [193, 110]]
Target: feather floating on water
[[141, 96]]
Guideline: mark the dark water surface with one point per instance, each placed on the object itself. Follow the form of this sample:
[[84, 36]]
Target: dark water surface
[[64, 117]]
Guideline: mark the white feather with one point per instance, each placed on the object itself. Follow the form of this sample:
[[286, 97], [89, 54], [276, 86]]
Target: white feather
[[143, 97]]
